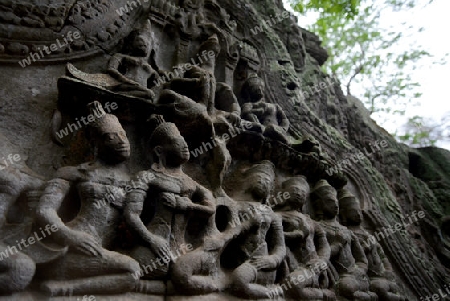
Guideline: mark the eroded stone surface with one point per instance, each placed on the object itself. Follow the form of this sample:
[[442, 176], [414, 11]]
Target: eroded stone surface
[[194, 150]]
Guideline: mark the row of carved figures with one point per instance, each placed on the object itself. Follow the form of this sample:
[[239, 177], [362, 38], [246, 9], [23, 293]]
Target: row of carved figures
[[263, 250], [191, 97], [200, 239]]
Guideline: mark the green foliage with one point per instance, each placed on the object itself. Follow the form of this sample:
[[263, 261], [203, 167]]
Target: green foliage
[[421, 132], [338, 8], [363, 52], [365, 56]]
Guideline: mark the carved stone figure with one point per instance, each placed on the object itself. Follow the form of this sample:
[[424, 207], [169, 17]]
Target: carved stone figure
[[347, 255], [308, 251], [380, 272], [90, 267], [262, 249], [130, 74], [199, 272], [266, 118], [177, 198], [17, 269], [190, 101], [196, 220], [197, 86], [137, 71]]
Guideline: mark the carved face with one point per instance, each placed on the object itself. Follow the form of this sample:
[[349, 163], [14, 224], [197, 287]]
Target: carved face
[[256, 89], [175, 150], [330, 206], [353, 216], [261, 185], [141, 45], [114, 144], [297, 197]]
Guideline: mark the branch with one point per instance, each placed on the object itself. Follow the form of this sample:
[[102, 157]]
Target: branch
[[358, 70]]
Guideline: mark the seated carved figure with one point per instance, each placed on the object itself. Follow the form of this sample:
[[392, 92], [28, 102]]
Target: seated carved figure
[[194, 93], [198, 89], [16, 268], [381, 275], [308, 251], [134, 72], [191, 103], [267, 118], [177, 198], [199, 272], [262, 248], [347, 255], [89, 267]]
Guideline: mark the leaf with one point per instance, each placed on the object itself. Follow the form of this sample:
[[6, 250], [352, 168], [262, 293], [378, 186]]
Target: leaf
[[364, 52]]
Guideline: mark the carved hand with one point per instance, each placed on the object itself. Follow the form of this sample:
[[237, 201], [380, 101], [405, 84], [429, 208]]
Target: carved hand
[[335, 247], [169, 199], [234, 119], [84, 243], [264, 262], [247, 107], [183, 203], [160, 247]]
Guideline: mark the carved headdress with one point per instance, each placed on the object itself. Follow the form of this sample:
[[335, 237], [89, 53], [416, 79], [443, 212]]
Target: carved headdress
[[299, 181], [163, 130], [321, 191], [265, 167], [265, 171], [347, 200], [161, 133], [103, 121], [145, 28], [249, 84], [252, 79]]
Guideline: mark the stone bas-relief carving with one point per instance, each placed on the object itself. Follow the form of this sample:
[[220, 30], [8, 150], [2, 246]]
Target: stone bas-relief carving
[[177, 193], [263, 247], [90, 267], [347, 255], [381, 276], [178, 198], [307, 245], [266, 118], [17, 268]]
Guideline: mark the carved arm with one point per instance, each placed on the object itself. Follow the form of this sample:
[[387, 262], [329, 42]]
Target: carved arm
[[323, 248], [113, 69]]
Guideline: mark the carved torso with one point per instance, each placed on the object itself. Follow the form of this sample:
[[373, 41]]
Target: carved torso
[[256, 239], [375, 263], [102, 192], [302, 248], [341, 256], [137, 69]]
